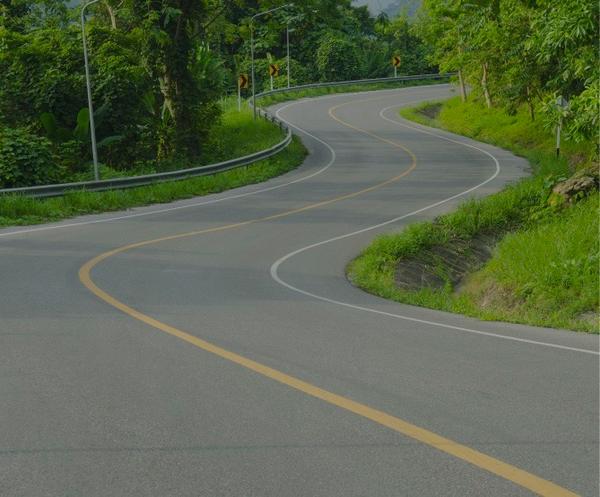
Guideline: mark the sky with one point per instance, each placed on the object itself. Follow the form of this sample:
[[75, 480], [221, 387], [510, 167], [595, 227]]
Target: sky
[[391, 7]]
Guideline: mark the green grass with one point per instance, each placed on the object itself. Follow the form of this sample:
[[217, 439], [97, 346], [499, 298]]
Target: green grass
[[544, 271], [547, 273], [235, 136], [317, 92], [514, 132]]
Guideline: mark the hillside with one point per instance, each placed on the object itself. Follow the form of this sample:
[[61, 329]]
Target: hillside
[[390, 7]]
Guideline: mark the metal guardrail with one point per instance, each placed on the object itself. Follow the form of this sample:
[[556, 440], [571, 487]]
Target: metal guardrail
[[148, 179], [399, 79]]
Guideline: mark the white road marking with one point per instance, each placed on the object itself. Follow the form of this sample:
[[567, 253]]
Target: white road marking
[[277, 264]]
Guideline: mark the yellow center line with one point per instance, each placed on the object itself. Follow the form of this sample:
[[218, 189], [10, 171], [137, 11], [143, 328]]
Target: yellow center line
[[511, 473]]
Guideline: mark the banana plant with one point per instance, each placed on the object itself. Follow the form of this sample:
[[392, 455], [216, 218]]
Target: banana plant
[[81, 132]]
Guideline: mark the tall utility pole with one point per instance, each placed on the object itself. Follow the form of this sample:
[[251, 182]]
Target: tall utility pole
[[89, 92], [287, 36], [255, 16]]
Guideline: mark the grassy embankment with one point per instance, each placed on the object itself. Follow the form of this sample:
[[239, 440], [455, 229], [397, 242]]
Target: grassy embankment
[[544, 269], [235, 136]]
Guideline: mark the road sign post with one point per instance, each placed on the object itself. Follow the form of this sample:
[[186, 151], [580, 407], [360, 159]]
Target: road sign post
[[562, 104], [243, 83], [396, 61], [558, 130], [273, 72]]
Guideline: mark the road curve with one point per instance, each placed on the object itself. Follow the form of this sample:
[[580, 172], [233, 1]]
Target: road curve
[[213, 347]]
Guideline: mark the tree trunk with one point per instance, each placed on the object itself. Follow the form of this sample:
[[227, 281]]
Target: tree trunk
[[111, 14], [169, 63], [530, 103], [484, 85], [164, 84], [461, 84]]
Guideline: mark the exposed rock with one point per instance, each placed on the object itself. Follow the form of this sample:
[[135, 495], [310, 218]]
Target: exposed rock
[[431, 111], [575, 187]]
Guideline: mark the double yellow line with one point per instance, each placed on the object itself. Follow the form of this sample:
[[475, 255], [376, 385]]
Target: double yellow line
[[483, 461]]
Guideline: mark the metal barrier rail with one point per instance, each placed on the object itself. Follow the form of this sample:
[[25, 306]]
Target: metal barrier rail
[[148, 179], [416, 77]]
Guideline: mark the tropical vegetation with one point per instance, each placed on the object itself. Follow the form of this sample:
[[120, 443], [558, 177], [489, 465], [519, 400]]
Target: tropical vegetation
[[529, 253], [160, 69]]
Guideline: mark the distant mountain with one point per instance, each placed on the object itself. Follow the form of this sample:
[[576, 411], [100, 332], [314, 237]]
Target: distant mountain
[[391, 7]]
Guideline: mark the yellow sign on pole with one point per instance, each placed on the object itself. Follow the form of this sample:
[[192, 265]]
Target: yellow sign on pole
[[243, 81], [273, 70], [396, 61]]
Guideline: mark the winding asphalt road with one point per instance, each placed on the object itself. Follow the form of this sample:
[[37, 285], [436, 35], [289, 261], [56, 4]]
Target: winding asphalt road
[[213, 347]]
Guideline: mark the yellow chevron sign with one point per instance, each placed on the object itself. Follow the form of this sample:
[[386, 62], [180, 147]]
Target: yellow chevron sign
[[396, 61], [243, 81], [273, 70]]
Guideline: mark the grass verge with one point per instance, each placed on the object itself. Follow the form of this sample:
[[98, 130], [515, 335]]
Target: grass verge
[[235, 136], [544, 269]]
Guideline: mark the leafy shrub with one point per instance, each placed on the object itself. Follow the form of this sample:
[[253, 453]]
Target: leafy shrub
[[25, 159], [40, 72]]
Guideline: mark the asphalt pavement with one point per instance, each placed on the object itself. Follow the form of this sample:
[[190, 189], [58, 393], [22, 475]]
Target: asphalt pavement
[[214, 347]]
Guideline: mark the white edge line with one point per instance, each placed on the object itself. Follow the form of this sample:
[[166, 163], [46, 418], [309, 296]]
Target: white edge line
[[276, 265]]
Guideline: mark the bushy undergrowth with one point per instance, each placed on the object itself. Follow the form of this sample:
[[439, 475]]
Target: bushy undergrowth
[[543, 272], [235, 135], [25, 159]]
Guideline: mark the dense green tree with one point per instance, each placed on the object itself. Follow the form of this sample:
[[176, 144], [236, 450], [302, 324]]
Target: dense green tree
[[442, 25], [565, 39], [400, 36], [26, 15], [339, 58], [169, 28], [514, 52], [520, 73]]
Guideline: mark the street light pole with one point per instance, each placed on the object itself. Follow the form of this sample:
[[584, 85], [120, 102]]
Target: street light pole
[[252, 56], [287, 36], [255, 16], [89, 92]]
